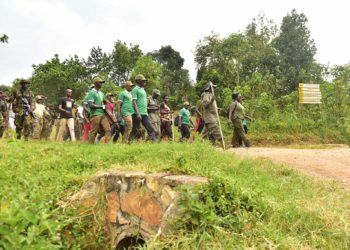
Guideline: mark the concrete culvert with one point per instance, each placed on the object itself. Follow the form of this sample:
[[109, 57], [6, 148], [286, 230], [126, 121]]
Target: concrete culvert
[[133, 206]]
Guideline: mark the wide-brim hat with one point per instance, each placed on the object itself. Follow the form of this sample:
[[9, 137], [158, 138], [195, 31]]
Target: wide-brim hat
[[24, 81], [207, 86], [128, 84], [156, 92], [140, 77], [97, 79]]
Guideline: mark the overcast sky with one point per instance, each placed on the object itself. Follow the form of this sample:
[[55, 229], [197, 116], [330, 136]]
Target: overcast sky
[[38, 29]]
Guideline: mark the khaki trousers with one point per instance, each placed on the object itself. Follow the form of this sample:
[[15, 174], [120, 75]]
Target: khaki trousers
[[98, 122], [61, 131], [37, 127], [128, 128]]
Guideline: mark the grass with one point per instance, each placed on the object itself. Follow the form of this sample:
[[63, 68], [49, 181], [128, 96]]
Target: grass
[[261, 205]]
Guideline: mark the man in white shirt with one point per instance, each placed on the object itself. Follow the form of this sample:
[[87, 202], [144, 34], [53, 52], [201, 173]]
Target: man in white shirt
[[40, 111]]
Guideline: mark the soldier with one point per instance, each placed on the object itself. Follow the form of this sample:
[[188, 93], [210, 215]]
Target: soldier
[[153, 111], [211, 130], [40, 111], [65, 106], [98, 117], [166, 119], [22, 106], [3, 114], [139, 97], [125, 109], [237, 116], [185, 121]]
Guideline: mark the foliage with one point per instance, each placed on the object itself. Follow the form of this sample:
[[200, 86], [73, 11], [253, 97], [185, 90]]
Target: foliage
[[4, 38], [53, 77]]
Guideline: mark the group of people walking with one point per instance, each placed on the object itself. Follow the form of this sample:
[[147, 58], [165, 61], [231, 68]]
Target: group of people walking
[[100, 119]]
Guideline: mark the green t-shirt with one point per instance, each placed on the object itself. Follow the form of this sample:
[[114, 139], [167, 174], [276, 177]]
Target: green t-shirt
[[97, 98], [139, 94], [126, 107], [185, 116]]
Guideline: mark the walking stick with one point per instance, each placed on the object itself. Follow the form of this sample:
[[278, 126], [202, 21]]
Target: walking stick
[[172, 127], [217, 116]]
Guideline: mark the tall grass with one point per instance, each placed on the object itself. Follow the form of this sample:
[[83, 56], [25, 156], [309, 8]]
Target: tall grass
[[249, 203]]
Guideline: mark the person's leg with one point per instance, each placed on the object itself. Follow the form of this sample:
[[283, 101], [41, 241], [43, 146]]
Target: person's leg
[[168, 130], [106, 128], [87, 128], [62, 129], [128, 128], [71, 129], [135, 127], [19, 125], [95, 124], [148, 126], [36, 128]]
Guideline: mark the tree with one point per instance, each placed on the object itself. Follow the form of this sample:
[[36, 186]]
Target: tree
[[4, 38], [152, 70], [53, 77], [98, 62], [123, 60], [296, 51], [175, 80]]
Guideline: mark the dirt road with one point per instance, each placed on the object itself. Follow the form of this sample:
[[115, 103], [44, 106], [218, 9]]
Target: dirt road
[[325, 163]]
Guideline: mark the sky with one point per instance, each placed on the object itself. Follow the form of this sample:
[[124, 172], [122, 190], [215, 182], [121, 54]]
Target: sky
[[38, 29]]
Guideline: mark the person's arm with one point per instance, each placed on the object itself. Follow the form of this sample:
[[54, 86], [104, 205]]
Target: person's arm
[[230, 112], [60, 107], [119, 104], [134, 104]]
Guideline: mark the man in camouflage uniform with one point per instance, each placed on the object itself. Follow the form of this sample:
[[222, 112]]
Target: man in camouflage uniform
[[153, 111], [22, 107], [3, 114], [211, 129]]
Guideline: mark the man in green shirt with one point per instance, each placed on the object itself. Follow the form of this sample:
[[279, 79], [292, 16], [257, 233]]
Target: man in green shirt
[[98, 118], [125, 109], [139, 101], [185, 122]]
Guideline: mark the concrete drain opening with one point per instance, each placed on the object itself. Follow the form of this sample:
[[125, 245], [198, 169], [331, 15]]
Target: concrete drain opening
[[133, 206], [131, 242]]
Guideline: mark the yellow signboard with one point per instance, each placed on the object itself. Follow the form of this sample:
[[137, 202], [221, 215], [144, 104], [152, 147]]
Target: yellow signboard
[[309, 93]]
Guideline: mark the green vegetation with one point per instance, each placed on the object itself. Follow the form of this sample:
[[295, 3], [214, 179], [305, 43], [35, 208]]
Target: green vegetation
[[250, 203]]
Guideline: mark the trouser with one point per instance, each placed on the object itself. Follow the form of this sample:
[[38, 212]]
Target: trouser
[[166, 130], [128, 128], [185, 132], [87, 128], [212, 132], [239, 134], [98, 123], [146, 123], [22, 122], [62, 128], [37, 127]]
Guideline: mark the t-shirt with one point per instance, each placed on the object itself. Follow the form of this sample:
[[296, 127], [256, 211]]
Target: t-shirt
[[139, 94], [66, 104], [40, 110], [110, 107], [126, 107], [97, 97], [185, 116], [238, 110]]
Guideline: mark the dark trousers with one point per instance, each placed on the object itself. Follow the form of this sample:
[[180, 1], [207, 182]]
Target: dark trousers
[[146, 123], [185, 131], [166, 130]]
